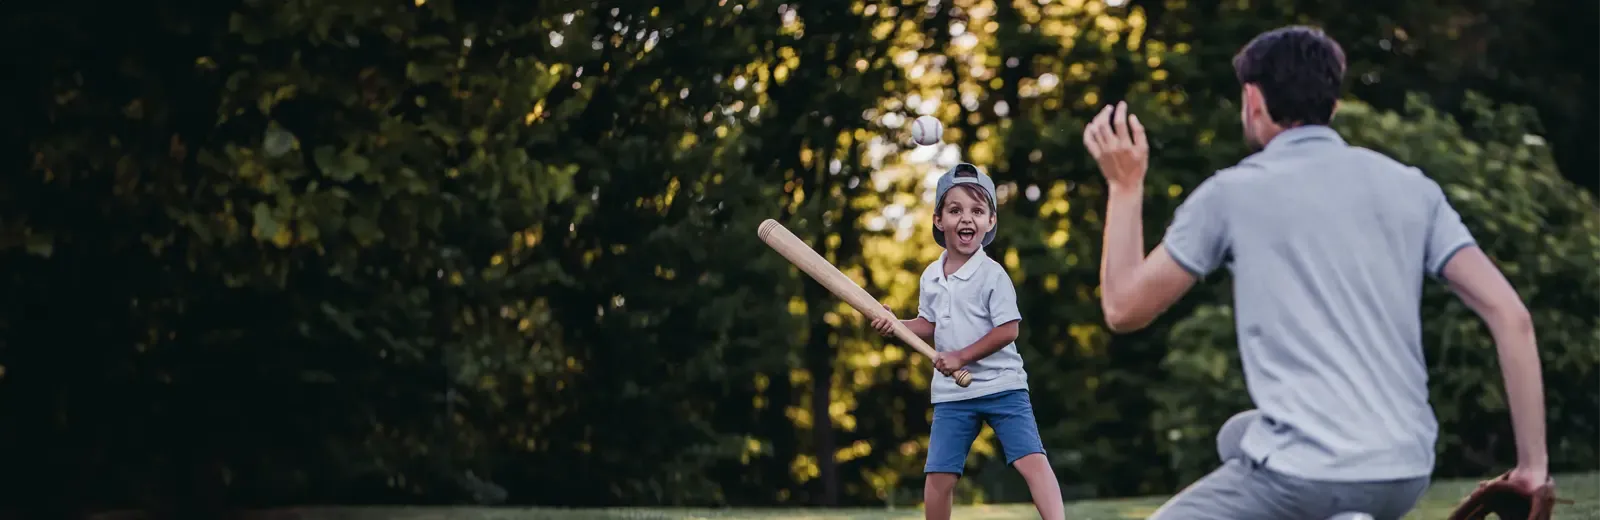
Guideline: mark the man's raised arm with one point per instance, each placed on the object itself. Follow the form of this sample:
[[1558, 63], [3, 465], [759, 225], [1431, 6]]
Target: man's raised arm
[[1135, 288]]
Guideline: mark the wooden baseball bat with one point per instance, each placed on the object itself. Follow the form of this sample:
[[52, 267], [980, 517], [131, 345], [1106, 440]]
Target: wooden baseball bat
[[802, 256]]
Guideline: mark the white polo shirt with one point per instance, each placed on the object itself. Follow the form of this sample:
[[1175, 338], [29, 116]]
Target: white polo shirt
[[964, 307]]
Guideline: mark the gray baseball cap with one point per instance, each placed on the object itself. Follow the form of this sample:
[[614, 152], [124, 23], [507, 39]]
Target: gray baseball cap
[[963, 174]]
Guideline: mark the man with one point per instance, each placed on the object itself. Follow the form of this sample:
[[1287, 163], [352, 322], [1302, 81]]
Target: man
[[1329, 245]]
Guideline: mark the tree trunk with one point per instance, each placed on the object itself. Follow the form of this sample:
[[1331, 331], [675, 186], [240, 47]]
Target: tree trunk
[[819, 361], [820, 345]]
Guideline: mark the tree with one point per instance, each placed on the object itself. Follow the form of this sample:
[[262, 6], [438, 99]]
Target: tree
[[332, 252], [476, 251]]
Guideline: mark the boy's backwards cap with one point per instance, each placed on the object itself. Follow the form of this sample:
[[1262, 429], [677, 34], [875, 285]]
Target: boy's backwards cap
[[950, 180]]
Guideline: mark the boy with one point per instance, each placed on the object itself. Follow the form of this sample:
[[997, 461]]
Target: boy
[[968, 308]]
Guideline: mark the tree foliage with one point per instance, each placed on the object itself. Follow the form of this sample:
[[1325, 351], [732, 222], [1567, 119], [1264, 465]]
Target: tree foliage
[[474, 251]]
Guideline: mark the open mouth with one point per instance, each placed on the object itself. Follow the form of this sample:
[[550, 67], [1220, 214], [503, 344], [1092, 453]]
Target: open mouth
[[966, 235]]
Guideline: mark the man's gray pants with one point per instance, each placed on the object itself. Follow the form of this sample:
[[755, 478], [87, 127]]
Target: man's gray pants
[[1243, 489]]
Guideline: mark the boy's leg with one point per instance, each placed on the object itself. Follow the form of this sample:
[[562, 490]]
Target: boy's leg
[[1041, 478], [1011, 415], [937, 493], [955, 425]]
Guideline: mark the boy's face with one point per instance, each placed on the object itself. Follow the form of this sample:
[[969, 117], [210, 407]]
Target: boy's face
[[964, 219]]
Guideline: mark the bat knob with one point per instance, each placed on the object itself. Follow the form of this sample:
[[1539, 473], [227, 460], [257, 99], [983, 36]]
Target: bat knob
[[963, 378], [766, 228]]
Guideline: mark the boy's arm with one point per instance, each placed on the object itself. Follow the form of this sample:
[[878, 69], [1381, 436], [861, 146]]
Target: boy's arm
[[921, 327], [996, 339], [1003, 315]]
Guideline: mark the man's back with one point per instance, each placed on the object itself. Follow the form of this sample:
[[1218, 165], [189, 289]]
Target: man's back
[[1329, 246]]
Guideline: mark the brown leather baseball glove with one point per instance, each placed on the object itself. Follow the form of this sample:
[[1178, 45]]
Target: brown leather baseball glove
[[1508, 501]]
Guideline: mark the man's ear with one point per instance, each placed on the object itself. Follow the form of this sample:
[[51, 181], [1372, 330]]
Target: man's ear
[[1255, 100], [1252, 98]]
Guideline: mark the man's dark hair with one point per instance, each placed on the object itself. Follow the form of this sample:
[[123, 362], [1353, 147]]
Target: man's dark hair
[[1299, 70]]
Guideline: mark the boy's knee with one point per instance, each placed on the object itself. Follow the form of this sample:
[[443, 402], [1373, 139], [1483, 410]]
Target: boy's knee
[[939, 486], [1031, 461], [1033, 466]]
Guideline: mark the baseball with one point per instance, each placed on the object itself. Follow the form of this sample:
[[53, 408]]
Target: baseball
[[927, 131]]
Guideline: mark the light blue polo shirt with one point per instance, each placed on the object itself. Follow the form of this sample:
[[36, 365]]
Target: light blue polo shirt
[[1328, 245], [963, 307]]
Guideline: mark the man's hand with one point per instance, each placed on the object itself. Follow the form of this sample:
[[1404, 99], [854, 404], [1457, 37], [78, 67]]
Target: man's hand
[[1117, 144], [1134, 288], [948, 363], [1529, 479], [1521, 493]]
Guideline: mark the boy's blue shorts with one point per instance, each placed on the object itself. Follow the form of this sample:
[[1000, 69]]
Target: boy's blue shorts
[[956, 424]]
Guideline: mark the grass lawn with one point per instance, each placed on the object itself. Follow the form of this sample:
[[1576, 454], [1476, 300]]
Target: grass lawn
[[1582, 489]]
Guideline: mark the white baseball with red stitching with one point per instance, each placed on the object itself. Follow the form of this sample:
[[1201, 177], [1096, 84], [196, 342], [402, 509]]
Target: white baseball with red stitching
[[926, 131]]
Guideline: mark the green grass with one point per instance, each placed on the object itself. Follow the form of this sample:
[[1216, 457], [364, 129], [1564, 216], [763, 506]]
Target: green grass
[[1582, 489]]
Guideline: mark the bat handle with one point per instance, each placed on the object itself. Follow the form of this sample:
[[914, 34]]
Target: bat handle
[[963, 377]]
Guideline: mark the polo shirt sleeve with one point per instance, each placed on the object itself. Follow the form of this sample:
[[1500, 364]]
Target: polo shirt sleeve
[[925, 301], [1198, 236], [1447, 234], [1002, 299]]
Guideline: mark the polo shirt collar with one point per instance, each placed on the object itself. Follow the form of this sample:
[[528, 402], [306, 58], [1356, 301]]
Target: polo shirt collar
[[1306, 134], [968, 269]]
